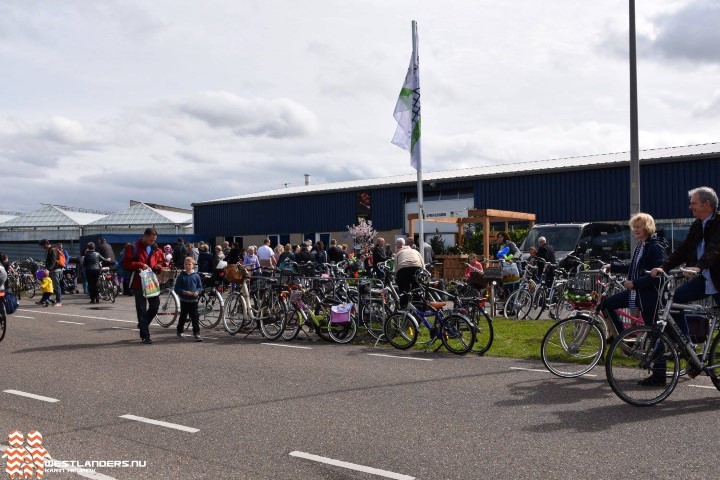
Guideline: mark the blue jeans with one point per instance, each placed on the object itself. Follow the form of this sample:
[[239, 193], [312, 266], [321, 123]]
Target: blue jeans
[[56, 277], [688, 292]]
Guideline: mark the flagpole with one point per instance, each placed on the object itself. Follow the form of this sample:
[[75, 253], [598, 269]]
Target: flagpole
[[421, 209]]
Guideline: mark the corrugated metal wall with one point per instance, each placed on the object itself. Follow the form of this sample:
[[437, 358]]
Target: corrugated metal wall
[[598, 194]]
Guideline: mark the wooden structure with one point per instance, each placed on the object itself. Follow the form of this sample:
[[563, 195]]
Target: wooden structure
[[484, 217]]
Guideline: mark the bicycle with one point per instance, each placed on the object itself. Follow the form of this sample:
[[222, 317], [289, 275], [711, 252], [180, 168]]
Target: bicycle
[[658, 347], [308, 312], [107, 285], [240, 312], [169, 301], [523, 295], [574, 346], [455, 331]]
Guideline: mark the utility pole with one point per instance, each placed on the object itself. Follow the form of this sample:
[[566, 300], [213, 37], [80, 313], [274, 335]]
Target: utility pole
[[634, 142]]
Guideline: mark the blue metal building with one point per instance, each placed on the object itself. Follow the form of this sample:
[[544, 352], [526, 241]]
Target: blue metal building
[[579, 189]]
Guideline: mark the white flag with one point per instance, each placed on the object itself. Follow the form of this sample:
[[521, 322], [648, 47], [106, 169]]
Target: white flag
[[407, 112]]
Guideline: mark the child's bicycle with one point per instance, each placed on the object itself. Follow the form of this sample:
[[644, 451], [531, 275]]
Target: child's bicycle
[[328, 318]]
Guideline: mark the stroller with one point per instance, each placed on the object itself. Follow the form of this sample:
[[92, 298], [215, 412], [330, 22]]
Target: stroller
[[68, 283]]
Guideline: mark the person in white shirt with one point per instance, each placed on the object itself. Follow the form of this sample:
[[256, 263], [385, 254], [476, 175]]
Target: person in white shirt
[[265, 255], [408, 262]]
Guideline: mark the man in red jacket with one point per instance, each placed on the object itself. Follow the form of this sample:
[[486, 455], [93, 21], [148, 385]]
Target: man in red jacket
[[144, 255]]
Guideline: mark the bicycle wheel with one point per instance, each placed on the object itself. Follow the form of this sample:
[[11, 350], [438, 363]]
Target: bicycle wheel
[[210, 308], [515, 302], [3, 323], [651, 353], [534, 308], [343, 331], [169, 308], [373, 316], [484, 333], [29, 287], [572, 347], [714, 359], [272, 326], [234, 316], [294, 319], [104, 291], [458, 334], [401, 330]]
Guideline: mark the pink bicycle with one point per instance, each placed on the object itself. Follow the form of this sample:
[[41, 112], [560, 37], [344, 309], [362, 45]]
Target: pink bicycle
[[573, 346]]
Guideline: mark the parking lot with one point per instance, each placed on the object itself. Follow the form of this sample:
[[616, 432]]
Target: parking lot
[[247, 408]]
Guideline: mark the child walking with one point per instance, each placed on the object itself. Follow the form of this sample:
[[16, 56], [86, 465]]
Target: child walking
[[188, 287], [46, 286]]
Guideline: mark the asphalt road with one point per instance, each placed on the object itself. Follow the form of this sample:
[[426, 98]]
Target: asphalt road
[[246, 408]]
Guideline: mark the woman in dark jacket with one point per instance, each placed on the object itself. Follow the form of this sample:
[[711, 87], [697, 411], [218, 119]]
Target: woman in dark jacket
[[92, 263], [205, 260], [641, 288]]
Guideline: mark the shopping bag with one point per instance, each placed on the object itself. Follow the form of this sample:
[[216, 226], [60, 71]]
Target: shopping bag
[[510, 273], [150, 284]]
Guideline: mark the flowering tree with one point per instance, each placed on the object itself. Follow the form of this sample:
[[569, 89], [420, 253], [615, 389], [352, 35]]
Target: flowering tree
[[363, 233]]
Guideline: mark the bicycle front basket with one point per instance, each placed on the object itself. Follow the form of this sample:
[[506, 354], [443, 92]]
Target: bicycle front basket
[[341, 313]]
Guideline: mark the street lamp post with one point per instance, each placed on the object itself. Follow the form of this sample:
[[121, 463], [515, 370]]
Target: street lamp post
[[634, 143]]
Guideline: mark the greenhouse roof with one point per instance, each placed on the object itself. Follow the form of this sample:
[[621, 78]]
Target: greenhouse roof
[[146, 214], [52, 216]]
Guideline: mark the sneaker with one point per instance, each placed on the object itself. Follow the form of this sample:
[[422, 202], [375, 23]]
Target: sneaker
[[45, 304], [57, 304], [197, 337], [146, 340], [653, 381], [179, 335]]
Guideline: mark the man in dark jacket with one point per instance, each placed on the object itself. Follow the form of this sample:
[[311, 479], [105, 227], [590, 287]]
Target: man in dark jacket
[[105, 249], [335, 253], [547, 253], [55, 269], [700, 251], [144, 255], [378, 256]]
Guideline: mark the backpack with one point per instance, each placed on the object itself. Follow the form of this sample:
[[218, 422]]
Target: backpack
[[11, 303], [120, 270], [61, 260]]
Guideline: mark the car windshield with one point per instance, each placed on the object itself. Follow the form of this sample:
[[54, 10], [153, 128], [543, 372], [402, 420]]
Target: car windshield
[[561, 238]]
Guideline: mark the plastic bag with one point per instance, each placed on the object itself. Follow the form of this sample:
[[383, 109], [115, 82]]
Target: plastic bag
[[510, 273], [150, 284]]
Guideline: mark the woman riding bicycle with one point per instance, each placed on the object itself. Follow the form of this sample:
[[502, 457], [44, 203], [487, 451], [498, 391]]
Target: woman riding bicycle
[[641, 288]]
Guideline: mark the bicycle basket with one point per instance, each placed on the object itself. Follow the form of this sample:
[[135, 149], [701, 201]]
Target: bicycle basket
[[582, 288], [234, 274], [341, 313], [493, 273]]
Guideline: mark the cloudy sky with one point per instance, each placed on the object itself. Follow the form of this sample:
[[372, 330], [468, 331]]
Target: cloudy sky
[[179, 101]]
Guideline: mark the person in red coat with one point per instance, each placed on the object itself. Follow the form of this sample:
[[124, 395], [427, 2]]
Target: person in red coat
[[144, 255]]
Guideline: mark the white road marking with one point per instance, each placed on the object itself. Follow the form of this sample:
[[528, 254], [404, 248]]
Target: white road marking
[[81, 316], [125, 328], [701, 386], [400, 356], [286, 346], [32, 395], [546, 371], [351, 466], [74, 323], [20, 316], [160, 423]]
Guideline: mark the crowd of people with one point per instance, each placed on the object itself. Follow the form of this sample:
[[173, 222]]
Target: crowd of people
[[700, 252]]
